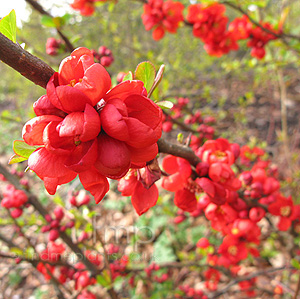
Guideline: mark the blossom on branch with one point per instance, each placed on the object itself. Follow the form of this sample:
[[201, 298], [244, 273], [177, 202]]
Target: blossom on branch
[[84, 127]]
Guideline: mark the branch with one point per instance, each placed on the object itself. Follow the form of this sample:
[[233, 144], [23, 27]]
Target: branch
[[35, 5], [248, 277], [33, 200], [179, 151], [39, 72], [23, 62]]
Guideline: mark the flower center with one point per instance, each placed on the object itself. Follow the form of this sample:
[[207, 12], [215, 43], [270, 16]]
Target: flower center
[[285, 211], [232, 250]]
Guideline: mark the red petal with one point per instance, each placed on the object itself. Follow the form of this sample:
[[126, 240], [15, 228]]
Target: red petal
[[91, 125], [95, 183], [53, 142], [43, 106], [185, 200], [83, 157], [143, 199], [32, 132], [143, 155], [72, 99], [50, 168], [145, 111], [113, 157], [95, 83], [71, 68], [170, 164], [207, 186], [113, 123], [72, 125], [124, 89], [140, 135]]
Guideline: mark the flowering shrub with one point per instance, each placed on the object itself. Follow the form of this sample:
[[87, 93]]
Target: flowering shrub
[[214, 214]]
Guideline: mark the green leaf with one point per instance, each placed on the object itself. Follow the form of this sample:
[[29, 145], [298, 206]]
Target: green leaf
[[17, 251], [128, 76], [48, 21], [15, 278], [22, 149], [101, 279], [8, 26], [145, 72], [163, 251], [165, 104], [16, 159], [295, 263]]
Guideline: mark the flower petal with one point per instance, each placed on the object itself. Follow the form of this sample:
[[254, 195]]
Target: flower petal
[[83, 157], [143, 155], [50, 168], [140, 135], [95, 83], [124, 89], [113, 157], [95, 183], [32, 132], [143, 199], [113, 123]]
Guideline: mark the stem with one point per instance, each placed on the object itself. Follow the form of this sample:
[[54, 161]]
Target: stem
[[35, 5], [179, 151], [33, 200], [23, 62]]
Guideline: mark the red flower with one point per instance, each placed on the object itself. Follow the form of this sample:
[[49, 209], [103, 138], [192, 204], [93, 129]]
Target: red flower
[[179, 169], [78, 135], [232, 250], [142, 198], [282, 207], [218, 150], [223, 174], [79, 81], [240, 28], [163, 16], [209, 21], [86, 7]]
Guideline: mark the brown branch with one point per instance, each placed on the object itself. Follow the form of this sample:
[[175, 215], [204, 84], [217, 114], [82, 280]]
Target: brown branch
[[23, 62], [248, 277], [179, 151], [39, 72], [298, 287], [41, 10], [33, 200], [179, 123]]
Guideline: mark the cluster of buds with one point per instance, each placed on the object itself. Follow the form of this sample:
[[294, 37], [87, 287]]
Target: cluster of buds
[[103, 56], [54, 46], [14, 200]]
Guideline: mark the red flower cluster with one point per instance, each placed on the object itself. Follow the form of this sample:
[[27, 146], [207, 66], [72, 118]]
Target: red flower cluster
[[53, 46], [142, 198], [104, 56], [14, 199], [209, 24], [86, 7], [162, 16], [259, 38], [82, 127]]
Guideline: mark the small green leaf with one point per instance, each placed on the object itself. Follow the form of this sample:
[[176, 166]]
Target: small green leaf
[[17, 251], [48, 21], [128, 76], [165, 104], [8, 26], [295, 263], [22, 149], [145, 72], [102, 280], [16, 159]]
